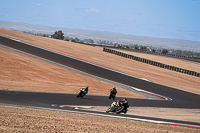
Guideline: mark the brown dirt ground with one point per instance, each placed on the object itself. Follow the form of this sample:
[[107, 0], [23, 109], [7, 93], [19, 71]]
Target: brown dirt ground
[[14, 119], [24, 73]]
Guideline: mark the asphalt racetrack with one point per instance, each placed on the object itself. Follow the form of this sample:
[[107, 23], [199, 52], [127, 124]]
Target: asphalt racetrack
[[179, 98]]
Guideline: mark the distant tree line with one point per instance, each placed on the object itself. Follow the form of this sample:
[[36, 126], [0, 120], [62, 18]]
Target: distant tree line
[[60, 35], [186, 53], [37, 34]]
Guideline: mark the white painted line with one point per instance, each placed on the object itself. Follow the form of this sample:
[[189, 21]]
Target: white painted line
[[179, 124], [153, 94], [75, 106], [145, 79], [15, 40]]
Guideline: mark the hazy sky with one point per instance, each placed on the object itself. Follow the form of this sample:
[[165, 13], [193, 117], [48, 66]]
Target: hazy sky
[[179, 19]]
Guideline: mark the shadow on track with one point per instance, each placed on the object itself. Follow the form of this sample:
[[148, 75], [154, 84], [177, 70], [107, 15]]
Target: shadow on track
[[88, 99]]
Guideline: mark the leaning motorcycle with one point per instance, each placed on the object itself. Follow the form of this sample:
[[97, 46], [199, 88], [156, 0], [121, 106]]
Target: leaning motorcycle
[[112, 108], [80, 94], [122, 107]]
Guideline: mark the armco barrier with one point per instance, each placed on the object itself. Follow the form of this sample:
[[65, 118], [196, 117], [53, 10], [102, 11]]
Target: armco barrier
[[187, 71], [184, 70], [174, 69], [196, 59], [191, 72], [158, 64], [195, 73], [170, 67]]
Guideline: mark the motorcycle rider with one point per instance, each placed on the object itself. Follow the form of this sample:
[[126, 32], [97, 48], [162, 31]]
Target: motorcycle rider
[[116, 106], [123, 105], [113, 91], [85, 90], [124, 101]]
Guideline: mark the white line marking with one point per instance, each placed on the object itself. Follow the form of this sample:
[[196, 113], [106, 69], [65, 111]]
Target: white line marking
[[15, 40], [153, 94], [75, 106]]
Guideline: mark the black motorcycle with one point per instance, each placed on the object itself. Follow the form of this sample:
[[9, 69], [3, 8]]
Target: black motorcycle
[[112, 95], [81, 94], [122, 107]]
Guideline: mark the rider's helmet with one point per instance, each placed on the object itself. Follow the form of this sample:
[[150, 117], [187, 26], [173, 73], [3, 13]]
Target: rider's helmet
[[125, 100], [113, 89]]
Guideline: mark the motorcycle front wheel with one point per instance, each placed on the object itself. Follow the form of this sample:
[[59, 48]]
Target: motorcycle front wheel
[[108, 110]]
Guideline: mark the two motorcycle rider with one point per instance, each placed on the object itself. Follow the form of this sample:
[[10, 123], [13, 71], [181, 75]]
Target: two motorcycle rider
[[120, 102], [84, 90], [118, 106]]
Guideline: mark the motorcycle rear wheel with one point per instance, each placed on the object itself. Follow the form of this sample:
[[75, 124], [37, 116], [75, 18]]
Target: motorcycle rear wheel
[[119, 109]]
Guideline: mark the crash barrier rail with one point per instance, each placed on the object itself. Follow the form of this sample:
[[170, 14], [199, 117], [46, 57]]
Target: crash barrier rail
[[195, 59], [154, 63]]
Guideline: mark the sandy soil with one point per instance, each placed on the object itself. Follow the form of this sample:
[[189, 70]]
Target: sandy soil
[[32, 120], [97, 56]]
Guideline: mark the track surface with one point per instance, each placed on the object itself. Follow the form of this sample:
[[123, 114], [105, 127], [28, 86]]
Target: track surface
[[46, 100], [180, 99]]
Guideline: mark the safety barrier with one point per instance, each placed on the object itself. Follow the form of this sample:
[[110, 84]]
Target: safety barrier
[[154, 63], [196, 59]]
